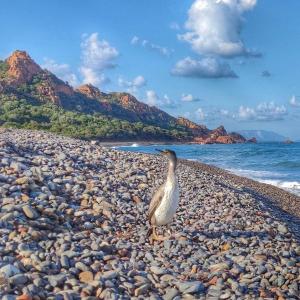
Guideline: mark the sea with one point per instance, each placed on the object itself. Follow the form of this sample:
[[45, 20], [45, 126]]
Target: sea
[[277, 164]]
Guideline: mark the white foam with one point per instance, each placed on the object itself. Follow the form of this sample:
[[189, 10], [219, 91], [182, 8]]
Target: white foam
[[264, 177], [192, 159], [291, 186], [254, 173], [135, 145]]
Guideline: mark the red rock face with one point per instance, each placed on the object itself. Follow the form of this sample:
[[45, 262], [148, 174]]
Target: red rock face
[[51, 88], [252, 140], [220, 136], [196, 129], [220, 131], [21, 67], [126, 100], [90, 91], [238, 138], [142, 110], [225, 139]]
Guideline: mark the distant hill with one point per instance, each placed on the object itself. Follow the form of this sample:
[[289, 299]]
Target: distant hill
[[34, 98], [263, 135]]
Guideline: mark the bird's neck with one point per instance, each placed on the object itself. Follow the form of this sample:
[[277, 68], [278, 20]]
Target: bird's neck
[[171, 170]]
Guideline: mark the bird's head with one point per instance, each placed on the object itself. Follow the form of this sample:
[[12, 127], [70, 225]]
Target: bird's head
[[168, 153]]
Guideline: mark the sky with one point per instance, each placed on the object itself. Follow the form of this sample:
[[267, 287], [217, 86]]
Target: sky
[[229, 62]]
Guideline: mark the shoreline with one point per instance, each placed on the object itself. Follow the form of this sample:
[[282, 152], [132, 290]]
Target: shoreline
[[149, 143], [286, 200], [140, 143], [248, 180]]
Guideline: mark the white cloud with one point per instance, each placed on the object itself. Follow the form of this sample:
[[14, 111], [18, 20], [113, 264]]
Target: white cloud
[[153, 99], [133, 85], [265, 111], [174, 26], [224, 112], [134, 40], [294, 102], [214, 27], [200, 114], [62, 71], [92, 76], [167, 102], [97, 55], [246, 113], [139, 81], [205, 68], [189, 98], [151, 46]]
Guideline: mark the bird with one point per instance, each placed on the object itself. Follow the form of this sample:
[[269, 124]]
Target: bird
[[165, 200]]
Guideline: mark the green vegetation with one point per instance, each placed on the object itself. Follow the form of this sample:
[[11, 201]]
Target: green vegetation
[[3, 69], [23, 114]]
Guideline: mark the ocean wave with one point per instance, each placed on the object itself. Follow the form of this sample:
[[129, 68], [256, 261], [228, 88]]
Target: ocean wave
[[265, 177], [255, 174], [290, 186]]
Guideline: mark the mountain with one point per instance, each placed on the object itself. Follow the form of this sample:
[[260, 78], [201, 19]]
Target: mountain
[[32, 97], [262, 135]]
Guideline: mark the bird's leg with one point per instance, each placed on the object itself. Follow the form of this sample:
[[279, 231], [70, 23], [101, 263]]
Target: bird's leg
[[169, 232], [156, 237]]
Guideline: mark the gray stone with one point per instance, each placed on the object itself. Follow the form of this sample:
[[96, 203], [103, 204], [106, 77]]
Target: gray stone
[[109, 275], [157, 270], [61, 156], [8, 297], [64, 261], [9, 270], [81, 266], [142, 289], [57, 280], [282, 229], [190, 287], [30, 212], [18, 279], [225, 295], [170, 294]]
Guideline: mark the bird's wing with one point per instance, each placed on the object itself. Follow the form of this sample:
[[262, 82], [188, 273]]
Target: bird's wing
[[155, 201]]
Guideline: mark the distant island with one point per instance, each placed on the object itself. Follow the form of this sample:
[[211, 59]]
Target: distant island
[[34, 98], [289, 141], [263, 135]]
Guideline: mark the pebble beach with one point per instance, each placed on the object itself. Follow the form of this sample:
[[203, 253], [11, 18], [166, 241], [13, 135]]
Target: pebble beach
[[73, 225]]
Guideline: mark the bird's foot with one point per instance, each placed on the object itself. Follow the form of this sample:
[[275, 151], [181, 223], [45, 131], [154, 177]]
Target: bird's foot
[[159, 238]]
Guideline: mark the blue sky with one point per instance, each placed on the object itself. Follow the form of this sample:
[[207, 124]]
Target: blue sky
[[230, 62]]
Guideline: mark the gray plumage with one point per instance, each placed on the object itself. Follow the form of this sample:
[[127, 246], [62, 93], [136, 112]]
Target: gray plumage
[[155, 201]]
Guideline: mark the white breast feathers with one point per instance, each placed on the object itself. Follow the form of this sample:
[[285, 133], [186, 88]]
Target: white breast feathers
[[169, 203]]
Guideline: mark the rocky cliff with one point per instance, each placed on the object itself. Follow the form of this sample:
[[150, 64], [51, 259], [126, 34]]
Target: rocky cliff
[[21, 68], [23, 78]]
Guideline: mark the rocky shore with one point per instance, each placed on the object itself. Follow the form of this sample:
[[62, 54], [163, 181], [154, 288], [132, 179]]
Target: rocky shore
[[73, 223]]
